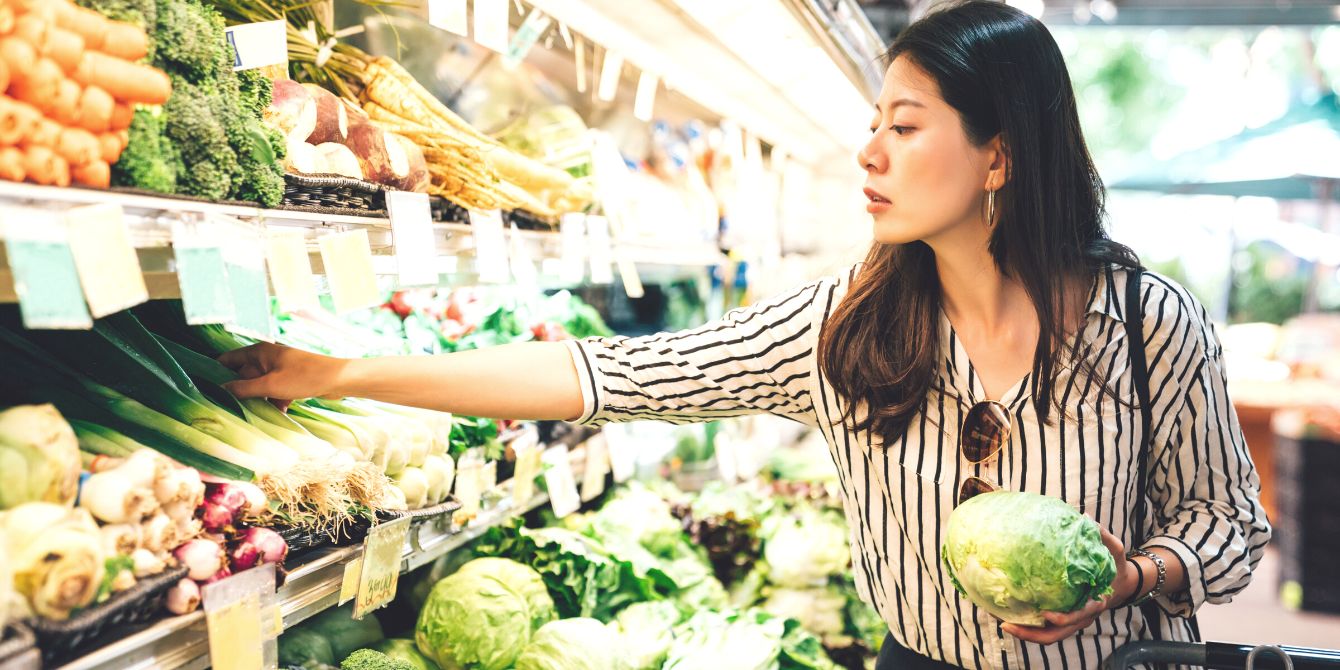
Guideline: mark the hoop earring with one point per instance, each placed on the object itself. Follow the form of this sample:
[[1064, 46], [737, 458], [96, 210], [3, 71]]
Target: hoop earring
[[990, 209]]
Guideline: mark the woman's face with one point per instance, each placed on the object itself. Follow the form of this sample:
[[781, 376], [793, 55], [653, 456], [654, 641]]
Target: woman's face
[[924, 178]]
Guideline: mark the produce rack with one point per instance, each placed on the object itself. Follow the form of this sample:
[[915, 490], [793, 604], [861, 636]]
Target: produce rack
[[310, 587], [150, 219]]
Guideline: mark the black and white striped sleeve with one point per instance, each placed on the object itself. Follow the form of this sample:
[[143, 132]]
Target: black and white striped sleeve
[[754, 360], [1206, 492]]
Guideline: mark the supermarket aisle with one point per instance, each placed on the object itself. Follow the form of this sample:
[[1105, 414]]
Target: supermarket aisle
[[1256, 616]]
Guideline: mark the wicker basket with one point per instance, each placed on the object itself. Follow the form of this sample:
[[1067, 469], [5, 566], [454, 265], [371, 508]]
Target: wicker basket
[[446, 211], [18, 649], [65, 639], [333, 194]]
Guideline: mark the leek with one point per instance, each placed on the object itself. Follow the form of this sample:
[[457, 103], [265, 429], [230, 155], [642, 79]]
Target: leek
[[93, 440]]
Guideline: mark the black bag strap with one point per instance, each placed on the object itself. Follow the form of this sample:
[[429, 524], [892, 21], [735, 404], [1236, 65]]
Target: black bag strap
[[1140, 377]]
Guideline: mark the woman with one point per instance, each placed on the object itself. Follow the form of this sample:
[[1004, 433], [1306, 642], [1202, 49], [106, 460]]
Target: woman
[[990, 298]]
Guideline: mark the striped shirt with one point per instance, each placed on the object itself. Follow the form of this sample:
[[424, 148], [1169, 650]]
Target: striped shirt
[[1204, 505]]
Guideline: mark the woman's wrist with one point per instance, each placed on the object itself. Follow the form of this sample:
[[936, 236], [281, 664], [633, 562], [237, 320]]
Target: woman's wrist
[[1135, 583]]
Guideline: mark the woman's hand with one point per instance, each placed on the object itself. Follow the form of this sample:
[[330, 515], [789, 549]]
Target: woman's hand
[[1061, 625], [282, 373]]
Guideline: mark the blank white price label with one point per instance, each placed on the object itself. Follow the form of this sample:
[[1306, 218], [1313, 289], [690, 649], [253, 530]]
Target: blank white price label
[[108, 268], [490, 246], [347, 258], [523, 264], [602, 255], [632, 282], [412, 229], [491, 17], [572, 256], [469, 485], [621, 452], [558, 478], [645, 102], [449, 15], [528, 459], [290, 270], [597, 466], [258, 44], [610, 72]]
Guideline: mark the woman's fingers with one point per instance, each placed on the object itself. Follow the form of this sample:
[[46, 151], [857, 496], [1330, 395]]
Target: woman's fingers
[[1047, 635]]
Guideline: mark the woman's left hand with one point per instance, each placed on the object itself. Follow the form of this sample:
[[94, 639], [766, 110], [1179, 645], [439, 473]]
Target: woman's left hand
[[1061, 625]]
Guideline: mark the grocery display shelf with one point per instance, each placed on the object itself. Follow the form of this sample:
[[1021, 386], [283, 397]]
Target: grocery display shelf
[[150, 224], [310, 588]]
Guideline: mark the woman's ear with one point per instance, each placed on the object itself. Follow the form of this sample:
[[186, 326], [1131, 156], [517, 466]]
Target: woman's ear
[[998, 170]]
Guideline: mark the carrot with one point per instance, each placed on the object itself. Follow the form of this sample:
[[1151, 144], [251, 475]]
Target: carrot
[[42, 9], [44, 133], [45, 167], [125, 41], [4, 75], [19, 56], [95, 110], [13, 125], [109, 147], [11, 164], [122, 115], [126, 81], [64, 108], [41, 84], [96, 173], [26, 117], [6, 19], [87, 23], [64, 47], [78, 146], [32, 29]]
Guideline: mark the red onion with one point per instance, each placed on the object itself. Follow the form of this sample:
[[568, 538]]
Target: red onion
[[183, 597], [228, 495], [258, 545], [222, 574], [218, 518], [202, 558]]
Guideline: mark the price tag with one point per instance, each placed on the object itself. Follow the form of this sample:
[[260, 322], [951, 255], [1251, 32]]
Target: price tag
[[610, 71], [240, 635], [349, 584], [469, 484], [109, 270], [347, 258], [449, 15], [258, 44], [632, 282], [412, 229], [572, 256], [622, 454], [645, 101], [532, 28], [45, 278], [491, 17], [579, 60], [523, 264], [598, 232], [558, 479], [244, 258], [488, 476], [291, 270], [490, 246], [381, 565], [202, 274], [597, 466], [727, 464], [529, 456]]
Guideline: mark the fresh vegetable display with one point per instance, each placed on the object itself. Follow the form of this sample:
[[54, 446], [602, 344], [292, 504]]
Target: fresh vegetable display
[[68, 81], [205, 138], [1018, 554]]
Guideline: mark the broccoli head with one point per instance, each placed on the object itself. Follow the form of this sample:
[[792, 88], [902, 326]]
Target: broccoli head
[[190, 42], [150, 160], [369, 659], [143, 13], [193, 124], [257, 91]]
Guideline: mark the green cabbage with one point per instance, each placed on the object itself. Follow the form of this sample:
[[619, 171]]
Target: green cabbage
[[646, 633], [1019, 554], [806, 547], [740, 641], [572, 644], [483, 616]]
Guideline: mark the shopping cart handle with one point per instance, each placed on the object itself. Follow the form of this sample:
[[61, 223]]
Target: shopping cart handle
[[1233, 655], [1217, 655], [1146, 651]]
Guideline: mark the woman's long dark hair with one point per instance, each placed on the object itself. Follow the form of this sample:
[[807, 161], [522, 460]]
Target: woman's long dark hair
[[1003, 73]]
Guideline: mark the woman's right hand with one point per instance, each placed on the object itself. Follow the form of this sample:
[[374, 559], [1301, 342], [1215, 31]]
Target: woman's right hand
[[282, 373]]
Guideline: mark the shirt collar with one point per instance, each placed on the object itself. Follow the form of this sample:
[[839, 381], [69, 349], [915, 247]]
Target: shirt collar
[[1107, 297]]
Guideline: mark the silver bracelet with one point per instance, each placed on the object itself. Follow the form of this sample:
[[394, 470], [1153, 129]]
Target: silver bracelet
[[1158, 580]]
